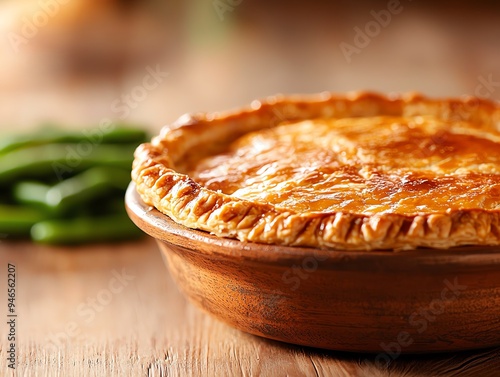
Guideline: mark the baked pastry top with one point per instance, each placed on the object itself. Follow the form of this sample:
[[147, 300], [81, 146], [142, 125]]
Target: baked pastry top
[[355, 172]]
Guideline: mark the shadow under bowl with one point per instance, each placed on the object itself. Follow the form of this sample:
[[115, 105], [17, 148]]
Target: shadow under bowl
[[410, 302]]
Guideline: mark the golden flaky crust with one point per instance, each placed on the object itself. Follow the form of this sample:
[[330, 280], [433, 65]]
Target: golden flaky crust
[[160, 173]]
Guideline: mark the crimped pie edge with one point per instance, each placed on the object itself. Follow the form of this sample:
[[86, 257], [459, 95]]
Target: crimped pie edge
[[192, 205]]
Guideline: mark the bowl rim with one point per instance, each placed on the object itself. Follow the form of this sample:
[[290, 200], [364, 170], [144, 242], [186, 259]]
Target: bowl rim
[[162, 228]]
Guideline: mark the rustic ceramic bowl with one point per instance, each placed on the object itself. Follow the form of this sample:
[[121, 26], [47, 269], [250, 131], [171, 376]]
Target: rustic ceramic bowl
[[383, 302]]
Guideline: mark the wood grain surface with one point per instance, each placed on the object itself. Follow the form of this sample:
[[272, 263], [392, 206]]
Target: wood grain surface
[[70, 323]]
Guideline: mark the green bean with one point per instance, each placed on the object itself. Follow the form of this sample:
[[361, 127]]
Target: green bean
[[68, 185], [73, 193], [31, 193], [85, 229], [123, 134], [44, 136], [61, 160], [18, 220], [116, 134], [86, 187]]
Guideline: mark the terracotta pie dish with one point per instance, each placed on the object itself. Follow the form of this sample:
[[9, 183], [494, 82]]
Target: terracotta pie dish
[[357, 223]]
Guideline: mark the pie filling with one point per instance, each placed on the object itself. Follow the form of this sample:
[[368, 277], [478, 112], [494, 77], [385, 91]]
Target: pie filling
[[370, 165]]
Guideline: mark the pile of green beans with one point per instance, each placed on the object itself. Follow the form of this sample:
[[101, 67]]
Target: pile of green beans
[[67, 187]]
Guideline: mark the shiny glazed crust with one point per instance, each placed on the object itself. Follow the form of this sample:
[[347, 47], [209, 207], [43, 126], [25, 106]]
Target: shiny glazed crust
[[157, 172]]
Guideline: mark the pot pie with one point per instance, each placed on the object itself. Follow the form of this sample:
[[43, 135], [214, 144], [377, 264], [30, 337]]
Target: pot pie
[[356, 172]]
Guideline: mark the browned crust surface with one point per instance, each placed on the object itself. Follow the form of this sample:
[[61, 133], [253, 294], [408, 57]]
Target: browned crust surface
[[160, 183]]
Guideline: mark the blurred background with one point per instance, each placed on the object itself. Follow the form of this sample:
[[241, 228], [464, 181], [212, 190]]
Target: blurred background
[[76, 62]]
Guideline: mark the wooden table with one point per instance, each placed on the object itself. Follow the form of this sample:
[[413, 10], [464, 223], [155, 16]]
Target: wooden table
[[113, 310]]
